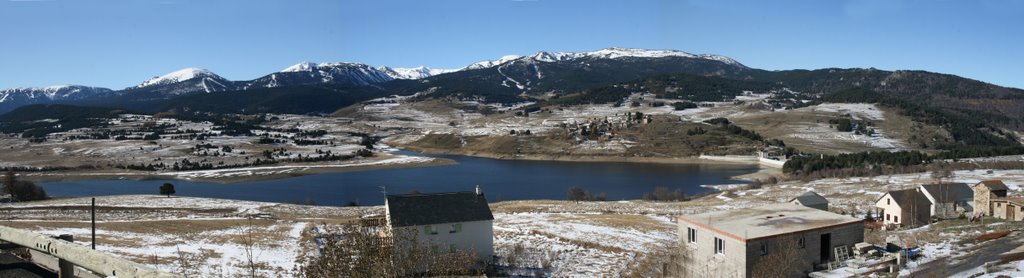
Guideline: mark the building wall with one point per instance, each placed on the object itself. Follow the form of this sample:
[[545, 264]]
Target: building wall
[[476, 237], [1001, 210], [846, 235], [982, 200], [741, 257], [700, 259], [889, 209]]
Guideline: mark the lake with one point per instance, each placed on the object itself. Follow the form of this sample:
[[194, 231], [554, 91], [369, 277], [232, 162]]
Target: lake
[[500, 179]]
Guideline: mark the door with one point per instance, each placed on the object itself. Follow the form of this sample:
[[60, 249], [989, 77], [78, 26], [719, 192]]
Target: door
[[1011, 212], [826, 247]]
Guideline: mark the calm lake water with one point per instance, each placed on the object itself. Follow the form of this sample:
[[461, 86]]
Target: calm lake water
[[500, 180]]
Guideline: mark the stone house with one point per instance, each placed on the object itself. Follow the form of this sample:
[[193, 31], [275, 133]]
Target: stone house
[[811, 200], [731, 243], [948, 200], [906, 208], [446, 222], [984, 193]]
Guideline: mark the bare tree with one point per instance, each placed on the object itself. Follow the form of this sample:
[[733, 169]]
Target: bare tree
[[353, 251], [576, 193], [249, 242], [784, 258]]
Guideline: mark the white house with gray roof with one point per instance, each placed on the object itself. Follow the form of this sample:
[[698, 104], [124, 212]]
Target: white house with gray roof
[[447, 222], [730, 243]]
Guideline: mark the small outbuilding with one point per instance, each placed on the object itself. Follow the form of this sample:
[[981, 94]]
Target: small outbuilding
[[812, 200], [1009, 208]]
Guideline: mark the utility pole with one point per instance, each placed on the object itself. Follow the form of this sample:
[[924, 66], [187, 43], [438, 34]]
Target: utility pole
[[93, 223]]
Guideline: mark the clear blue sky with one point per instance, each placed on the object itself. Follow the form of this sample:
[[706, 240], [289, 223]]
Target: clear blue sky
[[120, 43]]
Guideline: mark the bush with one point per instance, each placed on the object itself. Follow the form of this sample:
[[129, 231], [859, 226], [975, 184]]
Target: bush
[[23, 190]]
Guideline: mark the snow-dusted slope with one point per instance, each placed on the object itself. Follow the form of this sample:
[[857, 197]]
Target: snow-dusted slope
[[14, 97], [412, 73], [307, 73], [492, 63], [186, 81], [607, 53]]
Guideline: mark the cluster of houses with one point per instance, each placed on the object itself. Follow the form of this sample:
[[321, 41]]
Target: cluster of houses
[[595, 128], [801, 234], [925, 204]]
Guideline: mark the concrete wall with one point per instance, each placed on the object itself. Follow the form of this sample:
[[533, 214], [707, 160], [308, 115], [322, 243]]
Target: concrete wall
[[700, 259], [741, 257], [846, 235]]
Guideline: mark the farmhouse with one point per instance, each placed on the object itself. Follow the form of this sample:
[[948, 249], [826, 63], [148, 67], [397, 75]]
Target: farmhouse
[[948, 200], [984, 193], [751, 241], [811, 200], [447, 222], [904, 208]]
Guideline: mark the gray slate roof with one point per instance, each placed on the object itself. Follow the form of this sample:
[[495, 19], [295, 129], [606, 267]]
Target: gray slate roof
[[949, 192], [903, 197], [994, 185], [810, 198], [437, 208]]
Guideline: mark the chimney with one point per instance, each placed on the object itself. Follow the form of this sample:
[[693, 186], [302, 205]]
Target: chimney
[[479, 192]]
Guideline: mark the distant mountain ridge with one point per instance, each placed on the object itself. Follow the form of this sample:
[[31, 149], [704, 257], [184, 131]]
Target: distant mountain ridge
[[517, 78]]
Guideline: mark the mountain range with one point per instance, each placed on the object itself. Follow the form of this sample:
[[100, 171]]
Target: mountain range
[[321, 88], [191, 81]]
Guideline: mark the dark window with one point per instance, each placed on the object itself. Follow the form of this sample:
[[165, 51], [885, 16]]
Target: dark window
[[764, 249], [691, 235], [719, 246], [802, 242], [896, 219]]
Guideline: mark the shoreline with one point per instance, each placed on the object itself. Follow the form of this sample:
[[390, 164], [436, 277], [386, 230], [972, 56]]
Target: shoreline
[[239, 175], [763, 172]]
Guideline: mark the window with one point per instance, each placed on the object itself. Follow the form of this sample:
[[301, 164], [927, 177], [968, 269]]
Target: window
[[887, 217], [896, 219], [429, 230], [888, 201], [456, 228], [999, 205], [691, 235], [802, 242], [764, 249], [719, 246]]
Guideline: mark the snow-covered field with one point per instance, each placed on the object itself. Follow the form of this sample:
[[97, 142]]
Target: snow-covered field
[[556, 238]]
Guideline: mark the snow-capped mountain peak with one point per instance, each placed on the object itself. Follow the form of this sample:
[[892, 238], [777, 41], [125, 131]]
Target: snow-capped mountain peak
[[178, 76], [412, 73], [492, 63], [301, 67], [607, 53], [14, 97]]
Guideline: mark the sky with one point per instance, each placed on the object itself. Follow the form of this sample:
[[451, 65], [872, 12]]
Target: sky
[[120, 43]]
